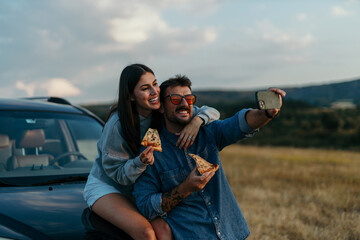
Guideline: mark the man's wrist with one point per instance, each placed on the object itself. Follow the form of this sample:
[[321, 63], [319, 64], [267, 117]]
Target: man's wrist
[[183, 189], [174, 197], [270, 116]]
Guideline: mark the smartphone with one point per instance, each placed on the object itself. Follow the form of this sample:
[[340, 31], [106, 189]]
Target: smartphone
[[268, 100]]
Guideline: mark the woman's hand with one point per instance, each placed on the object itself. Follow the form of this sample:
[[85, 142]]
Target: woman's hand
[[147, 156], [188, 134]]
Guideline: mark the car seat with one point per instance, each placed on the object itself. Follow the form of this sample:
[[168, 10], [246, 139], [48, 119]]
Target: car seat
[[30, 144], [5, 151]]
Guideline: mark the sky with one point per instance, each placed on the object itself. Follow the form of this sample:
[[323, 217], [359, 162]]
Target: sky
[[77, 49]]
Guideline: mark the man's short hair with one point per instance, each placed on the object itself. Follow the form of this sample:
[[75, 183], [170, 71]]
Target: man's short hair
[[178, 80]]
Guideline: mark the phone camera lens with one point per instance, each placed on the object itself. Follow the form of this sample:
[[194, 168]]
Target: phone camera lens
[[262, 104]]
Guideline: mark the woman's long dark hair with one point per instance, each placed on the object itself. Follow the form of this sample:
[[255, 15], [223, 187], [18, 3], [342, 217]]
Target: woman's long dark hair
[[126, 109]]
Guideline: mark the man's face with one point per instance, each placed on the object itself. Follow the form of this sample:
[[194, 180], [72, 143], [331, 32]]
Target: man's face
[[177, 114]]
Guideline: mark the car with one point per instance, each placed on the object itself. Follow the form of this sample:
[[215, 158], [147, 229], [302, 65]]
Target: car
[[47, 149]]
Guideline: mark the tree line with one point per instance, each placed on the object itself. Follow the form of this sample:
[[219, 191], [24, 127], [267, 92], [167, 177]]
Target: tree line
[[299, 125], [303, 125]]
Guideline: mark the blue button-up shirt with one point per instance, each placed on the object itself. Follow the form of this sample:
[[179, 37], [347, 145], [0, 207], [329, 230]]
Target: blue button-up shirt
[[213, 212]]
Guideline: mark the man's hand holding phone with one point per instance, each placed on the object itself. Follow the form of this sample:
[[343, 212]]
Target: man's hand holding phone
[[270, 101]]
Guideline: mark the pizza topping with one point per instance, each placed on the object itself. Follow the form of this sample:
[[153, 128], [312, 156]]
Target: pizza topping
[[202, 165], [152, 138]]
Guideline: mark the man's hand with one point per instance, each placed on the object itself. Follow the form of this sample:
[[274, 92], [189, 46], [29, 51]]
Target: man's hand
[[272, 113], [258, 118], [195, 182], [192, 183], [282, 93]]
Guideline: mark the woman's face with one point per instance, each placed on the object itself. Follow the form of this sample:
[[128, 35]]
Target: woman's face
[[146, 94]]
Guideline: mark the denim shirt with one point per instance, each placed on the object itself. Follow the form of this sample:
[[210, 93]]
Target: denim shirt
[[213, 212]]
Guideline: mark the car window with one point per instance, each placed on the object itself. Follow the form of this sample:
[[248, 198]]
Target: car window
[[85, 137], [45, 143]]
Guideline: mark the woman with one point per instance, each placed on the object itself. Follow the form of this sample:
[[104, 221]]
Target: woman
[[108, 190]]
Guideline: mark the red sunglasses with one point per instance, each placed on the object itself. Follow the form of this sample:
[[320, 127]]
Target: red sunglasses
[[176, 98]]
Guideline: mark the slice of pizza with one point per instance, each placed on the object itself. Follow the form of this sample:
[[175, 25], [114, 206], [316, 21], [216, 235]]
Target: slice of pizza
[[152, 138], [202, 165]]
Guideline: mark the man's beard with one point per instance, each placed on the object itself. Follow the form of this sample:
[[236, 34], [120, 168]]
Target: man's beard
[[178, 121]]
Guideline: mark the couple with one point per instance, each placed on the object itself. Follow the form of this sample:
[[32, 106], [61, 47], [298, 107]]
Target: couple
[[168, 186]]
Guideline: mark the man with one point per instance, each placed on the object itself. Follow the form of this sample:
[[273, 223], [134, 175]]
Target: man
[[195, 206]]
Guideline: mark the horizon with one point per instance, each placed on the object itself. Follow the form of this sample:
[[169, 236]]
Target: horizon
[[239, 90]]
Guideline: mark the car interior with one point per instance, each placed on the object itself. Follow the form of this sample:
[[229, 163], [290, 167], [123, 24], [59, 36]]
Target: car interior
[[5, 151], [47, 143], [29, 145]]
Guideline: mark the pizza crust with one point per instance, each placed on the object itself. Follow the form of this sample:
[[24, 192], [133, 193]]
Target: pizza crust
[[152, 138], [204, 166]]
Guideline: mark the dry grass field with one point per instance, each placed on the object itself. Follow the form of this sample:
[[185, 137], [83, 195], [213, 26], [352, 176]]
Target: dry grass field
[[289, 193]]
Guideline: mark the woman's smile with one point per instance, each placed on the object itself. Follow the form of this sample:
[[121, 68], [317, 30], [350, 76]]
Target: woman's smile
[[154, 100], [146, 94]]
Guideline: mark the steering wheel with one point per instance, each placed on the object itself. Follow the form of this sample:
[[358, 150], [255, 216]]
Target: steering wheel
[[56, 160]]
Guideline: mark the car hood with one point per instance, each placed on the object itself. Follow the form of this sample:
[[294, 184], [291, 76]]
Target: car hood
[[43, 212]]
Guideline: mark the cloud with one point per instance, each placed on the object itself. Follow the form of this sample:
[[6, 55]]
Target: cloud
[[136, 28], [210, 35], [190, 7], [182, 41], [301, 17], [104, 4], [142, 26], [49, 40], [60, 87], [28, 88], [91, 41], [267, 32], [339, 11]]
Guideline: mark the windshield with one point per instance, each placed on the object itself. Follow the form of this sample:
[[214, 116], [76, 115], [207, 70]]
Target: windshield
[[46, 145]]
